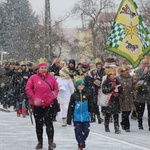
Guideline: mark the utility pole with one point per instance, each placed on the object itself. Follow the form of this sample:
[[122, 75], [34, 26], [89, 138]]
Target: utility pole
[[1, 55], [48, 31]]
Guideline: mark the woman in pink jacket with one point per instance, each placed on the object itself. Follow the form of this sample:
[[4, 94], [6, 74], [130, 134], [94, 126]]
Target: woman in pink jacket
[[42, 89]]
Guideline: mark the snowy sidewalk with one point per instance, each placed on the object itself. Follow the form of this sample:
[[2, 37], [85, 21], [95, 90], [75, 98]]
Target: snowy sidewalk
[[17, 133]]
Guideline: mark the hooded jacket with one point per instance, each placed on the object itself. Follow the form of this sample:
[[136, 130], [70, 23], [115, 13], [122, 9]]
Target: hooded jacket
[[79, 107]]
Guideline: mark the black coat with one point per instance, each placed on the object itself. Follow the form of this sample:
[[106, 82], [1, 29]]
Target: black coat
[[73, 72], [91, 88], [55, 69], [18, 85], [114, 105], [101, 73]]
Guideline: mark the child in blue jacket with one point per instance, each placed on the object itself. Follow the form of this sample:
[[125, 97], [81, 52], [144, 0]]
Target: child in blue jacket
[[79, 111]]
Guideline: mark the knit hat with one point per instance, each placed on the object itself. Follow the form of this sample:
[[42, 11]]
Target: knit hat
[[30, 64], [42, 64], [85, 65], [64, 71], [72, 61], [79, 82]]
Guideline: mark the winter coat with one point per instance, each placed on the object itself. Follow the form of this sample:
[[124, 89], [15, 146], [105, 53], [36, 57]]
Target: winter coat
[[141, 76], [72, 70], [79, 107], [91, 88], [66, 88], [101, 73], [55, 69], [26, 75], [18, 86], [114, 105], [126, 97], [4, 79], [39, 92]]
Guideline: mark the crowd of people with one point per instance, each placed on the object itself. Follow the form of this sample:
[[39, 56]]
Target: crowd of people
[[71, 91]]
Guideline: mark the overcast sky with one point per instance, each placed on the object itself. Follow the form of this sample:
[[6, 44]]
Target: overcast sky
[[58, 9]]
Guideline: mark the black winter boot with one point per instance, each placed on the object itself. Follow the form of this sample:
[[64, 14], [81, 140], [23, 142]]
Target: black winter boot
[[140, 124], [122, 125], [107, 128], [134, 115], [117, 131], [100, 120], [141, 127], [40, 144], [51, 144], [93, 117]]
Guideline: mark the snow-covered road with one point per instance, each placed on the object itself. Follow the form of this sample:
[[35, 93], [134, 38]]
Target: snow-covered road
[[19, 134]]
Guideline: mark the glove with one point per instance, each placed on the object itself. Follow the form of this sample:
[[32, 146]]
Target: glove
[[97, 82], [118, 88]]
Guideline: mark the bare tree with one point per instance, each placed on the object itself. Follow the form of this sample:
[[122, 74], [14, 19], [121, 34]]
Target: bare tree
[[145, 8], [97, 16]]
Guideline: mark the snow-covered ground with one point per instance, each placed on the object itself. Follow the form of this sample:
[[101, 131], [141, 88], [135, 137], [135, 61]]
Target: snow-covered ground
[[17, 133]]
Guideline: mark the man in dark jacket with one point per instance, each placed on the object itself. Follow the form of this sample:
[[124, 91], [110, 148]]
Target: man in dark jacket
[[55, 67]]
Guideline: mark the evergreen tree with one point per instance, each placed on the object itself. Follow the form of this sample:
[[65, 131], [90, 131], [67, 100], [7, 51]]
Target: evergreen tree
[[18, 21]]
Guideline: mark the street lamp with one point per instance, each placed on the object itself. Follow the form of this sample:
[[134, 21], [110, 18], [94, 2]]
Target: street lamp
[[2, 55]]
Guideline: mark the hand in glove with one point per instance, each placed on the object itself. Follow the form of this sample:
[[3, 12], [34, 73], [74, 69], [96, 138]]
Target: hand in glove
[[118, 88], [97, 82]]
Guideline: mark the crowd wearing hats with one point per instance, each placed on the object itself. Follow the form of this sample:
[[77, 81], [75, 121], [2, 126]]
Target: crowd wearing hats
[[76, 86]]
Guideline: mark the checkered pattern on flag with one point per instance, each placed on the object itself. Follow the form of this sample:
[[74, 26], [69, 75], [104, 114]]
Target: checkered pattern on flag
[[117, 35], [129, 36], [143, 37]]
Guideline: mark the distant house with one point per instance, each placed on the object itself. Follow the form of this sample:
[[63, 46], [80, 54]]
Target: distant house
[[65, 48]]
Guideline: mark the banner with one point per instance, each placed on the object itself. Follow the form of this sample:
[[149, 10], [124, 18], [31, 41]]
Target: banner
[[129, 36]]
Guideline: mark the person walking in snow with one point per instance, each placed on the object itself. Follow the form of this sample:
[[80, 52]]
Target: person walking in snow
[[79, 110], [42, 90], [126, 97], [143, 92], [66, 88], [113, 86], [91, 87], [19, 95]]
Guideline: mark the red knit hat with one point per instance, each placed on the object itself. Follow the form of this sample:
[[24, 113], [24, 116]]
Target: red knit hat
[[42, 64]]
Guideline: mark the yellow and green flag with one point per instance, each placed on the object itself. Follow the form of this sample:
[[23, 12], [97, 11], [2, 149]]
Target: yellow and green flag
[[129, 37]]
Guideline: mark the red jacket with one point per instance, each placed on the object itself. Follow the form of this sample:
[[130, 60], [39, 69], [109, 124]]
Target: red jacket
[[39, 91]]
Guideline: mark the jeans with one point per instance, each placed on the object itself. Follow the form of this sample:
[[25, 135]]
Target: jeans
[[21, 104]]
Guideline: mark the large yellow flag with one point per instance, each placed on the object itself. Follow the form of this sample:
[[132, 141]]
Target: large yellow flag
[[129, 36]]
